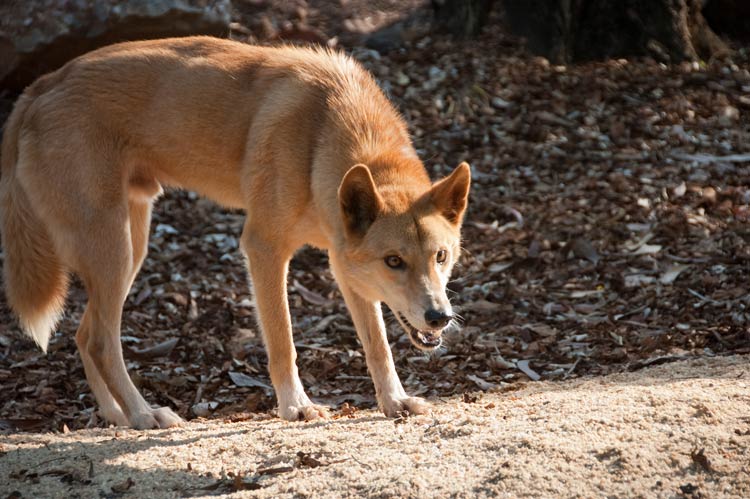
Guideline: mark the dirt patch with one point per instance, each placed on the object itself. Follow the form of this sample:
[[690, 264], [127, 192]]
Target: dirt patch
[[675, 430], [607, 229]]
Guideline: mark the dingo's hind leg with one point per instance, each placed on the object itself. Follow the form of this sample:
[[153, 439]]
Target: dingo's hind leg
[[139, 218], [109, 407], [107, 264]]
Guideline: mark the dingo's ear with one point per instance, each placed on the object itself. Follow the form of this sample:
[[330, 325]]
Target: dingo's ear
[[359, 200], [450, 195]]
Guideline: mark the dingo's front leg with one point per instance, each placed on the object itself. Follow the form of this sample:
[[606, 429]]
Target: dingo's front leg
[[368, 320], [268, 271]]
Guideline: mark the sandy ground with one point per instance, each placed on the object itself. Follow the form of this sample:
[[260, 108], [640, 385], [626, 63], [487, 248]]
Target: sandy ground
[[675, 430]]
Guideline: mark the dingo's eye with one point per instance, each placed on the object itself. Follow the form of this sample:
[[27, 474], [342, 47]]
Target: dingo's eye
[[442, 255], [394, 262]]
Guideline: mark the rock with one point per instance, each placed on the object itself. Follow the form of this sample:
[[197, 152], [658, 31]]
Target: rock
[[38, 36]]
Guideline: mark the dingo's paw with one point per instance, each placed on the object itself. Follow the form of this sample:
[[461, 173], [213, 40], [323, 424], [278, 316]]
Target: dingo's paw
[[414, 405], [306, 412], [114, 415], [295, 405], [163, 417]]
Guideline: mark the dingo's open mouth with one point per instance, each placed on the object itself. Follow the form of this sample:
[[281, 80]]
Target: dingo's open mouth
[[424, 340]]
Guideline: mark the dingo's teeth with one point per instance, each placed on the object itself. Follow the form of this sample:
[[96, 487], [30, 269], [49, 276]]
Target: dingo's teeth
[[424, 340]]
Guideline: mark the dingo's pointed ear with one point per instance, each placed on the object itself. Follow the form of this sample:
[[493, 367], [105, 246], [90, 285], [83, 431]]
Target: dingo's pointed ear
[[359, 200], [451, 194]]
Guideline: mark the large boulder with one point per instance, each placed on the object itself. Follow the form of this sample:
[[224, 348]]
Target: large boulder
[[38, 36]]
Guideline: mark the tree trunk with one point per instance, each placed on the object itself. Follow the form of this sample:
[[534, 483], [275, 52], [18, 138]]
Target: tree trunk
[[730, 17], [578, 30], [464, 18]]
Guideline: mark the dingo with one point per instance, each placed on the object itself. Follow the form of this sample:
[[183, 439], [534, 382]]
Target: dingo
[[302, 139]]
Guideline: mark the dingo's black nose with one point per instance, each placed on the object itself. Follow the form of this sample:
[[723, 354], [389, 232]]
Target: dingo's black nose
[[437, 318]]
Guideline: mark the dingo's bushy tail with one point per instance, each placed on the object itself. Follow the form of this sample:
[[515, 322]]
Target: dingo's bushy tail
[[36, 282]]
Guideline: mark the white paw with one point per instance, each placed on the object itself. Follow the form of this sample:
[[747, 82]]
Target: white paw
[[394, 405], [294, 405], [163, 417], [307, 412]]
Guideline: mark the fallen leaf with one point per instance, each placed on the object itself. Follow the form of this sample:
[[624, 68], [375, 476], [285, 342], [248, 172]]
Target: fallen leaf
[[523, 366], [275, 471], [243, 380], [347, 410], [671, 274], [648, 249], [541, 329], [310, 296], [499, 267], [582, 248], [482, 384], [159, 350], [482, 305], [636, 280]]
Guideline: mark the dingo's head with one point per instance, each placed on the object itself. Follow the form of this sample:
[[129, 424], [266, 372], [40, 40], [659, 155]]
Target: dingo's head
[[401, 246]]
